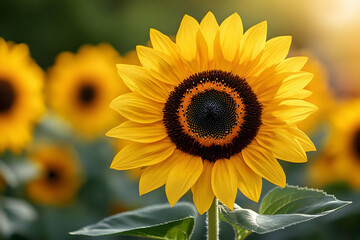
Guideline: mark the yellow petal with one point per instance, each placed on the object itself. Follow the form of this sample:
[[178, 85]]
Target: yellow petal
[[293, 84], [202, 53], [155, 176], [203, 194], [186, 37], [137, 79], [275, 51], [275, 141], [224, 182], [139, 132], [163, 43], [293, 64], [231, 33], [136, 155], [209, 27], [250, 183], [271, 84], [161, 66], [303, 139], [303, 94], [253, 42], [293, 111], [182, 176], [138, 108], [263, 163]]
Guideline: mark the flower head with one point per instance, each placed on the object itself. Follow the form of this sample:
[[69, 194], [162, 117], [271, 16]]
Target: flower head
[[340, 161], [60, 175], [21, 100], [213, 111], [82, 85]]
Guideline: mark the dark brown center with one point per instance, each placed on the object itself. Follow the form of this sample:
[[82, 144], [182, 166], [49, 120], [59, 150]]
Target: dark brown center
[[357, 143], [212, 114], [52, 175], [7, 96], [87, 94]]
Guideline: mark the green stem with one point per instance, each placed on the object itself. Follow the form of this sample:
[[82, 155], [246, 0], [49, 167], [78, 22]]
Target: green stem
[[213, 221]]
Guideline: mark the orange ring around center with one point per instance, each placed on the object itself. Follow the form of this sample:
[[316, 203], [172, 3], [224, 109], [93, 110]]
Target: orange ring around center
[[209, 85]]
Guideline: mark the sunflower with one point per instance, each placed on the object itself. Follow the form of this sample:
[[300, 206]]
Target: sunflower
[[341, 158], [83, 84], [321, 96], [60, 176], [21, 100], [213, 111]]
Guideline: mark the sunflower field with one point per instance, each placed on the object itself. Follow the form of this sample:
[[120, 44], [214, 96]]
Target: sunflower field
[[154, 119]]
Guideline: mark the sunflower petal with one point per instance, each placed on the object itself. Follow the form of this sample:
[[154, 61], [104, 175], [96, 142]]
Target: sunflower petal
[[293, 111], [275, 51], [163, 43], [186, 37], [203, 194], [202, 52], [231, 33], [159, 63], [138, 108], [136, 155], [224, 182], [137, 79], [275, 139], [293, 64], [155, 176], [209, 27], [139, 132], [182, 176], [293, 84], [253, 42], [303, 94], [303, 139], [250, 183], [264, 164]]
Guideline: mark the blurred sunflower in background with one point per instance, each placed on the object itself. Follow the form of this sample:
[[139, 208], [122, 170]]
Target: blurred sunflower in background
[[213, 111], [340, 161], [60, 175], [21, 99], [82, 85]]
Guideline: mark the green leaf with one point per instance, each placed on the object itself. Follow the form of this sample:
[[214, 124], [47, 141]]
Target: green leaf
[[240, 233], [283, 207], [15, 215], [157, 222]]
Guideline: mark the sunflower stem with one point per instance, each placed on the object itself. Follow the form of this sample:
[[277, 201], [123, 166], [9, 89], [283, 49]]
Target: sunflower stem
[[213, 221]]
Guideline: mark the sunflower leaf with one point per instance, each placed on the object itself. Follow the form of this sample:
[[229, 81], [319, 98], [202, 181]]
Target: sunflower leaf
[[240, 232], [157, 222], [15, 216], [283, 207]]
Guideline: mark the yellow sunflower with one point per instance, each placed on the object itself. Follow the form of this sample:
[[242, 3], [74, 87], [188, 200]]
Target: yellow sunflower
[[321, 95], [82, 85], [60, 176], [213, 111], [341, 158], [21, 100]]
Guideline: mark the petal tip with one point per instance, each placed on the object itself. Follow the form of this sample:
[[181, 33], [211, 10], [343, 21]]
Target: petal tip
[[112, 166], [209, 14], [108, 133]]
